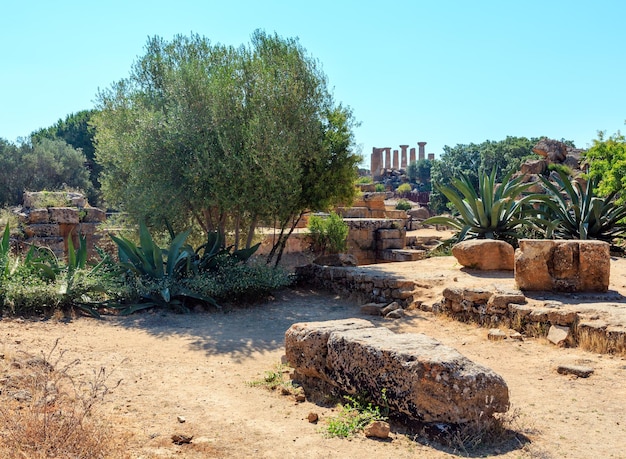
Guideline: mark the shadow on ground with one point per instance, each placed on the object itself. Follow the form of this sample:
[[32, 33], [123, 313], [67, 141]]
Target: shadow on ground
[[241, 331]]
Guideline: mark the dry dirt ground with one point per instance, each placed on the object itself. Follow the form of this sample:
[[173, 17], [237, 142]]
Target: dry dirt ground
[[199, 366]]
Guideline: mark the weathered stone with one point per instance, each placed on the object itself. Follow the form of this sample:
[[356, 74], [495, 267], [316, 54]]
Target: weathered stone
[[495, 334], [38, 216], [422, 378], [419, 213], [477, 295], [454, 294], [377, 429], [93, 214], [577, 370], [390, 307], [558, 335], [485, 254], [516, 336], [306, 344], [534, 167], [499, 302], [336, 259], [571, 266], [595, 266], [395, 314], [554, 150], [42, 230], [63, 215], [312, 417]]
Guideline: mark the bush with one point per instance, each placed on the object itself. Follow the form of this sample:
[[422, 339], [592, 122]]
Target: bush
[[238, 282], [404, 188], [365, 180], [328, 235], [380, 188], [403, 204]]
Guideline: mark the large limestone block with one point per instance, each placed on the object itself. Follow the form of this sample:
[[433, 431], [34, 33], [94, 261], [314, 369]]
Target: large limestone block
[[67, 215], [567, 266], [595, 266], [306, 344], [485, 254], [421, 377], [531, 266], [93, 214]]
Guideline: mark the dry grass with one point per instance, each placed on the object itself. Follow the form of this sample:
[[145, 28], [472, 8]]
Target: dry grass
[[45, 411]]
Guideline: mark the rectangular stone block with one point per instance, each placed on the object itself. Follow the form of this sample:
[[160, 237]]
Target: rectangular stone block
[[93, 214], [421, 377], [36, 216], [42, 230], [67, 215], [595, 266], [386, 244]]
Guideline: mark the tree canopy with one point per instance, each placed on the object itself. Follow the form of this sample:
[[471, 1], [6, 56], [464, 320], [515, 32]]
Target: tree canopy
[[44, 164], [607, 163], [224, 136], [76, 130]]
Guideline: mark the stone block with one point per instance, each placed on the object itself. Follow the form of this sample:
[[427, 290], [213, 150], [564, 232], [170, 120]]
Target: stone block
[[391, 233], [558, 335], [423, 379], [93, 214], [570, 266], [42, 230], [485, 254], [38, 216], [387, 244], [66, 215], [306, 344]]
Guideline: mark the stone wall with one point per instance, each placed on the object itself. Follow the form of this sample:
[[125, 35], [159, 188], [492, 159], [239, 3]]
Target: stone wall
[[358, 284], [52, 226]]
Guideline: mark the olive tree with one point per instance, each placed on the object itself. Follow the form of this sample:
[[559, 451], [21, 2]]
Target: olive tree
[[224, 137]]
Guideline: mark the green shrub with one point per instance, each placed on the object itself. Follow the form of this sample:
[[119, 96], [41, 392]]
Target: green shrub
[[404, 188], [380, 188], [238, 282], [365, 180], [403, 204], [355, 415], [328, 235]]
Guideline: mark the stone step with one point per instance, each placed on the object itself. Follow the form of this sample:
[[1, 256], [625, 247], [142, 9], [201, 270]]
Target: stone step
[[402, 255]]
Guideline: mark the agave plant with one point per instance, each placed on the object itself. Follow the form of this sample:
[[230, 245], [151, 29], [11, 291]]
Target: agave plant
[[159, 269], [574, 211], [494, 211]]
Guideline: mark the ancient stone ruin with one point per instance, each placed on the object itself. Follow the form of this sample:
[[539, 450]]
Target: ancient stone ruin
[[49, 219], [413, 374], [399, 160]]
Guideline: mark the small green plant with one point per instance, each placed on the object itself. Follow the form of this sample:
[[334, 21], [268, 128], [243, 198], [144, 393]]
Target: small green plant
[[328, 235], [559, 168], [365, 180], [380, 188], [403, 204], [355, 415], [274, 379], [404, 188]]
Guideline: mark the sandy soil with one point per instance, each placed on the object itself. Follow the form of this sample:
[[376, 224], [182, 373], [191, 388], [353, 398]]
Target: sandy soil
[[199, 367]]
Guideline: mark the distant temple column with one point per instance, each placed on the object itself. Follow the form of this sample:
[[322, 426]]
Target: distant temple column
[[403, 157], [422, 151], [387, 157], [395, 160], [431, 156], [375, 164], [412, 156]]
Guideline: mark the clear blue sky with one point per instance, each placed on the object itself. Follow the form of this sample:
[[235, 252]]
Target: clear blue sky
[[444, 72]]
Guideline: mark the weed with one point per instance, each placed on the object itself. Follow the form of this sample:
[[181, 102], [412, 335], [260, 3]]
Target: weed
[[47, 412], [355, 415], [273, 379]]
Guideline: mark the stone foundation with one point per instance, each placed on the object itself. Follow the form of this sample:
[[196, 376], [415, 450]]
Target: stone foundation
[[361, 285]]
